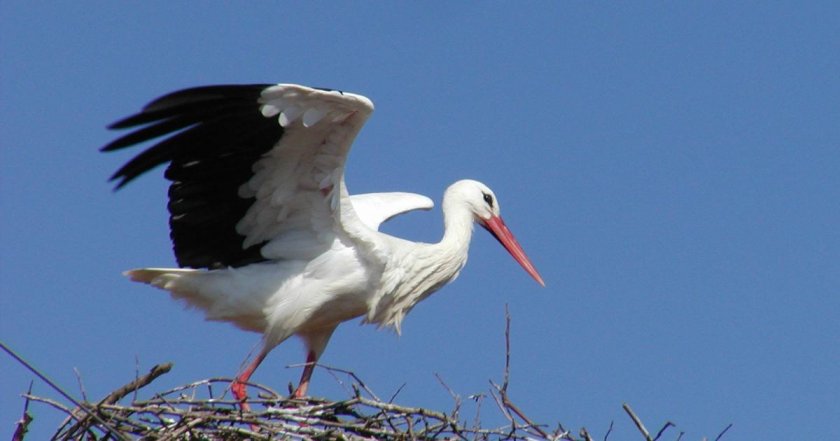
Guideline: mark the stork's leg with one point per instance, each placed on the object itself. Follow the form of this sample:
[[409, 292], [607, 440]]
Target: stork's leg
[[238, 385], [300, 392], [315, 342]]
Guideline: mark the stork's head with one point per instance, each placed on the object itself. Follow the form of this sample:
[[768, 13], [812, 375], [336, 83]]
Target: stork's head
[[484, 206]]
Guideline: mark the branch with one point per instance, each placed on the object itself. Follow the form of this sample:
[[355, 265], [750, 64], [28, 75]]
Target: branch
[[138, 383], [61, 391], [112, 398], [507, 349], [343, 371], [724, 431], [502, 390], [637, 421], [23, 424], [662, 430]]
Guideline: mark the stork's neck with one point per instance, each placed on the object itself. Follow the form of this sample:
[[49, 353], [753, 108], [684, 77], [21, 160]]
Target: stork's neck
[[424, 268], [458, 228], [448, 256]]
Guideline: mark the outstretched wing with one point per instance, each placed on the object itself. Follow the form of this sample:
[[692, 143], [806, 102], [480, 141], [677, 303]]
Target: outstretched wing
[[249, 165], [375, 208]]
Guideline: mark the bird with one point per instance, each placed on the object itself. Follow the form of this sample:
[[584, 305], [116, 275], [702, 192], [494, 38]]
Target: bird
[[264, 231]]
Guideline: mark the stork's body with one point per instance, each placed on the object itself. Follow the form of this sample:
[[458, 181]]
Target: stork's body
[[261, 218]]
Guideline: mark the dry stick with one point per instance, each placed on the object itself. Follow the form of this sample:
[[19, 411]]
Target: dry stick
[[23, 424], [272, 394], [609, 431], [503, 389], [49, 402], [455, 397], [509, 404], [507, 348], [505, 374], [136, 374], [61, 391], [415, 411], [453, 423], [55, 404], [115, 415], [724, 431], [561, 432], [403, 409], [637, 421], [662, 430], [138, 383], [121, 392], [478, 398], [81, 384], [343, 371], [502, 408], [396, 392]]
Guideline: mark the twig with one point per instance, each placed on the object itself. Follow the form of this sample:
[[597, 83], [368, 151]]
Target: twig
[[561, 433], [396, 393], [724, 431], [662, 430], [133, 386], [343, 371], [502, 390], [81, 384], [136, 374], [118, 394], [478, 399], [509, 405], [637, 421], [23, 424], [505, 411], [506, 378], [49, 402], [609, 431], [455, 397], [61, 391]]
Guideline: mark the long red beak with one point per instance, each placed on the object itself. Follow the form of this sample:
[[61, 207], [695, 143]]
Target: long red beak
[[496, 226]]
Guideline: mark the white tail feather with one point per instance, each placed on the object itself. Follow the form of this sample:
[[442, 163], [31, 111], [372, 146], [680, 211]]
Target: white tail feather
[[223, 295], [158, 277]]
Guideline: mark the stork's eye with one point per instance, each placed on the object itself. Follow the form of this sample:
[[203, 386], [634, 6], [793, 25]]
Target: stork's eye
[[489, 199]]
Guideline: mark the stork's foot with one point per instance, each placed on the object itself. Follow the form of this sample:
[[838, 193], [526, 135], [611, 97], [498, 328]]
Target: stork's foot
[[300, 392], [240, 393]]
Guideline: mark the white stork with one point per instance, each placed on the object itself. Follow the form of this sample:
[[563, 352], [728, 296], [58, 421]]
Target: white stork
[[262, 225]]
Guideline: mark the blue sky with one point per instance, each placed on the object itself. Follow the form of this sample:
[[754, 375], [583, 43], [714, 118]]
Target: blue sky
[[671, 169]]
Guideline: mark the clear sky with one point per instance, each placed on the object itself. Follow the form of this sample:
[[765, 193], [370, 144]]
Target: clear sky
[[671, 169]]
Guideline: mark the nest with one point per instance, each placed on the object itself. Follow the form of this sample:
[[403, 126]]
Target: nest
[[198, 412], [201, 411]]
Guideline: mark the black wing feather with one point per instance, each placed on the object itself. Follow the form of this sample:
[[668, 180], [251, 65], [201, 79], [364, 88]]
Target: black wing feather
[[216, 135]]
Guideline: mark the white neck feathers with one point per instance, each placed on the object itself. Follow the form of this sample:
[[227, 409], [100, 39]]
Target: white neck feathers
[[424, 268]]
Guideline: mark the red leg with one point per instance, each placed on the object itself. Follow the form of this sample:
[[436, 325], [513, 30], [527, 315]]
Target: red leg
[[300, 392], [238, 385]]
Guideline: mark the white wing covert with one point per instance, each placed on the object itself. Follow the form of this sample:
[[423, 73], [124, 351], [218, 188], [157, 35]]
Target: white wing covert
[[298, 184]]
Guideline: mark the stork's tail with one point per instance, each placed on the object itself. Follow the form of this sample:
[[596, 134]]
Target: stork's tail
[[223, 295], [181, 284], [162, 278]]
